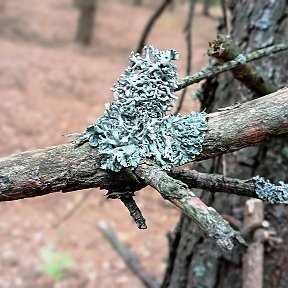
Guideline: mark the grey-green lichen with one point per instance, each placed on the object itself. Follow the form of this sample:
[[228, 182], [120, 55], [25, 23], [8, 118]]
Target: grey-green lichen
[[137, 124], [241, 59], [271, 192]]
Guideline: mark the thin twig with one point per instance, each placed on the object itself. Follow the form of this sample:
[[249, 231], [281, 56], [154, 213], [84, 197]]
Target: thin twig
[[215, 182], [130, 259], [150, 24], [134, 211], [211, 71], [188, 31]]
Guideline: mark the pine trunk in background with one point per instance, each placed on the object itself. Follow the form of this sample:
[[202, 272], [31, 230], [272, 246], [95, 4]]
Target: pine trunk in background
[[195, 261], [85, 28], [206, 6], [138, 2]]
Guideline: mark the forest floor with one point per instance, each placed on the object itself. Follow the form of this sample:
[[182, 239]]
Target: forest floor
[[50, 86]]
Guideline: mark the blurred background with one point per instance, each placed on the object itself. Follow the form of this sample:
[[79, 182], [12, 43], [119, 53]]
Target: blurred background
[[55, 81]]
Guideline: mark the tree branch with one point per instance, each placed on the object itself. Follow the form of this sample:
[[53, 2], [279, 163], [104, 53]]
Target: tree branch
[[224, 49], [211, 71], [175, 191], [68, 168], [215, 182], [250, 123]]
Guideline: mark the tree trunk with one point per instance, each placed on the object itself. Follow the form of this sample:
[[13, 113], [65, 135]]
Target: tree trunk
[[138, 2], [206, 6], [85, 28], [255, 24]]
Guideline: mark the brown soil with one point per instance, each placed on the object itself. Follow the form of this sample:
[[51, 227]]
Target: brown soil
[[50, 86]]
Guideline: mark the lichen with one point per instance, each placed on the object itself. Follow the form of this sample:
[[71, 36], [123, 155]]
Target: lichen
[[137, 124], [241, 59], [271, 192]]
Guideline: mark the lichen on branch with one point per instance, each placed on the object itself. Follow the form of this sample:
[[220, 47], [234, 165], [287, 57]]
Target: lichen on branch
[[138, 123], [271, 192]]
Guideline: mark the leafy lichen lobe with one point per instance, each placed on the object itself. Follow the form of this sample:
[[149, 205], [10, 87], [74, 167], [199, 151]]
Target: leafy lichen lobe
[[271, 192], [138, 123]]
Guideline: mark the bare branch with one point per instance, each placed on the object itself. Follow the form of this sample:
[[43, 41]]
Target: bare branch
[[251, 123]]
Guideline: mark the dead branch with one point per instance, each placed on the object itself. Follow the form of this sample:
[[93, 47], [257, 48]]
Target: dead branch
[[224, 49], [175, 191], [211, 71], [66, 168], [215, 182]]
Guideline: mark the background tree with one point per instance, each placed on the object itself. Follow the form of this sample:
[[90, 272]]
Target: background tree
[[206, 6], [138, 2], [85, 27]]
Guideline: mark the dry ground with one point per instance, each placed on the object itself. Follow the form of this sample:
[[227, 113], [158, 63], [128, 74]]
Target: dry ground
[[49, 86]]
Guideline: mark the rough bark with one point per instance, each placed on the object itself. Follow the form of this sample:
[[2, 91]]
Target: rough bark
[[252, 29], [255, 24], [69, 168]]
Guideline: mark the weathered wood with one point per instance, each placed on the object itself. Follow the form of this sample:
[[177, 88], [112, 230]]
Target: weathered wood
[[253, 122], [215, 182], [61, 168], [227, 66], [67, 168]]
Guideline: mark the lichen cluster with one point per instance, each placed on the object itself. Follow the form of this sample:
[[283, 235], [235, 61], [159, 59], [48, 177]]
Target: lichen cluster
[[136, 124], [271, 192]]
